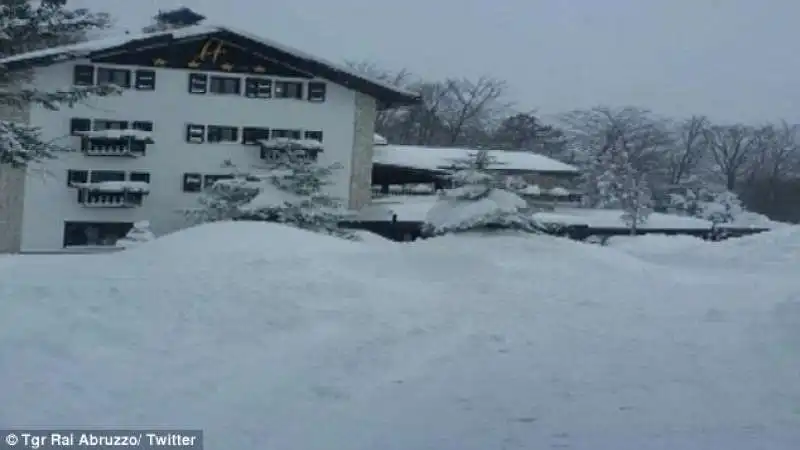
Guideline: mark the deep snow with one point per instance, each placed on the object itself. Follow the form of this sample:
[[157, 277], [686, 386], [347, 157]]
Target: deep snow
[[269, 337]]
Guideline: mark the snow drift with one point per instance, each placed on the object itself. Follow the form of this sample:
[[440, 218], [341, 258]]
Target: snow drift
[[270, 337]]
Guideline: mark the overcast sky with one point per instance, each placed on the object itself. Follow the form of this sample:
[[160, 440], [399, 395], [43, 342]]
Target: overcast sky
[[735, 60]]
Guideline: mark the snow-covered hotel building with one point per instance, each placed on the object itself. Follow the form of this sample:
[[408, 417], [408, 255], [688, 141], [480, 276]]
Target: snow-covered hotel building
[[193, 98]]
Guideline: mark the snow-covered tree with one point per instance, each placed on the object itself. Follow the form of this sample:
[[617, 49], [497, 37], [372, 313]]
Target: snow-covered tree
[[27, 25], [290, 189], [479, 200], [613, 183], [715, 205], [170, 20], [138, 234]]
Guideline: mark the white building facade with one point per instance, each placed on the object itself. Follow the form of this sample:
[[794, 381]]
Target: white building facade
[[192, 99]]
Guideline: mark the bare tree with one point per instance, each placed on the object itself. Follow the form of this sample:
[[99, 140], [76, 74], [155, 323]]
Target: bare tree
[[691, 147], [645, 137], [732, 149], [386, 119], [524, 131], [471, 104]]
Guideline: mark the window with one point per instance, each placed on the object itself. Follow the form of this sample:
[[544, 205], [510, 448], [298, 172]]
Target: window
[[288, 134], [192, 182], [145, 80], [314, 135], [78, 234], [209, 180], [142, 125], [195, 133], [119, 77], [218, 133], [316, 91], [77, 125], [251, 135], [77, 176], [83, 75], [103, 124], [143, 177], [198, 83], [226, 85], [258, 88], [288, 89], [101, 176]]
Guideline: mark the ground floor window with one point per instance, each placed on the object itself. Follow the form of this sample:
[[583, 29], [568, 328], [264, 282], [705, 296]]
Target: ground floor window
[[81, 234]]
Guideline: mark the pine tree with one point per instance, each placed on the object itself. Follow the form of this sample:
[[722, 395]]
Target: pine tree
[[138, 234], [25, 26], [290, 190], [479, 200]]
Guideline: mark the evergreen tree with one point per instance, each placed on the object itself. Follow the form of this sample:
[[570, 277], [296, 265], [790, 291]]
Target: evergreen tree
[[288, 190], [138, 234], [27, 25], [479, 200]]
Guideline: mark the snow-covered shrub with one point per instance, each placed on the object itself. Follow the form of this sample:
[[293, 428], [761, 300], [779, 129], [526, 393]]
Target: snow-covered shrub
[[138, 234], [716, 206], [479, 200], [288, 190]]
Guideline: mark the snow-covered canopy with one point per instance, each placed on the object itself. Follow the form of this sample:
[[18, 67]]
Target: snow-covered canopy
[[138, 135], [443, 158], [377, 139], [115, 186]]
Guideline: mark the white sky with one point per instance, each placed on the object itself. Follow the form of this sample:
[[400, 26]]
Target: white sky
[[736, 60]]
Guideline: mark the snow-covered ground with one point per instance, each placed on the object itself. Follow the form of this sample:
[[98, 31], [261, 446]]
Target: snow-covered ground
[[273, 338]]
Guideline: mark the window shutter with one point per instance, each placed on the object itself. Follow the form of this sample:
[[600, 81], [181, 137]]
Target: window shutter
[[250, 135], [192, 182], [195, 133], [198, 83], [316, 91], [146, 80]]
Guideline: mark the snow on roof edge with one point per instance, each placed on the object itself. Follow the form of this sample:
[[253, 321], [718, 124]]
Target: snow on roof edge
[[441, 158], [94, 45]]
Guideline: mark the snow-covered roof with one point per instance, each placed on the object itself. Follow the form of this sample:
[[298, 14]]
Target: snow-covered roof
[[442, 158], [331, 71], [115, 186], [118, 134]]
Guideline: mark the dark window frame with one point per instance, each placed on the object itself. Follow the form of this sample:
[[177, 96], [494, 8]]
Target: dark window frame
[[214, 134], [142, 125], [111, 71], [216, 83], [191, 186], [251, 135], [278, 133], [317, 91], [281, 89], [118, 175], [308, 134], [195, 133], [83, 176], [123, 124], [78, 125], [145, 80], [255, 87], [198, 83], [145, 176]]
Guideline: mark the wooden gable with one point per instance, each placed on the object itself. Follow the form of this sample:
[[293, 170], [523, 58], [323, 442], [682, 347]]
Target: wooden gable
[[209, 53]]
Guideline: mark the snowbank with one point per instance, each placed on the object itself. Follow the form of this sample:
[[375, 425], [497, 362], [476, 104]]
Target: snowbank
[[271, 337], [610, 218]]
